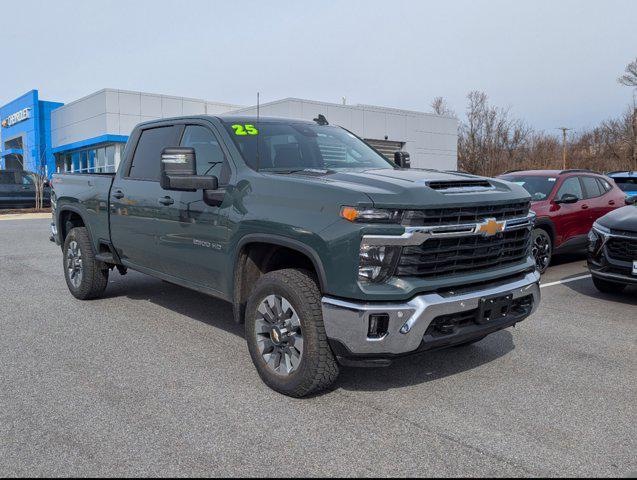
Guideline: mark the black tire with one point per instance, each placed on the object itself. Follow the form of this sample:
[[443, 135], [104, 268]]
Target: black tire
[[542, 247], [318, 368], [94, 274], [606, 286], [470, 342]]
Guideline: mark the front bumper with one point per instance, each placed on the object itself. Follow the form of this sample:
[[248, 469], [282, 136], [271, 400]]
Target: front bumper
[[347, 323]]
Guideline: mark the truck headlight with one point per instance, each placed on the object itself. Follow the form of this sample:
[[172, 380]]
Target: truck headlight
[[377, 262], [371, 215]]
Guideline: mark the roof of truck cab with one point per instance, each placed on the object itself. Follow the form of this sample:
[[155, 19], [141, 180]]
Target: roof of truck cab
[[253, 119]]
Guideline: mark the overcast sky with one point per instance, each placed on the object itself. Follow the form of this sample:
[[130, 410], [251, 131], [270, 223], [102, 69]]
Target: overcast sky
[[553, 62]]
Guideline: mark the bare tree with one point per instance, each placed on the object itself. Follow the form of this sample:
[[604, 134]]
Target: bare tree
[[440, 107], [490, 139], [629, 78]]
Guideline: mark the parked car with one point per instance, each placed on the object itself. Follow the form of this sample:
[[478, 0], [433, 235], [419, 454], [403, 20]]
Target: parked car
[[627, 181], [566, 202], [330, 253], [17, 190], [612, 252]]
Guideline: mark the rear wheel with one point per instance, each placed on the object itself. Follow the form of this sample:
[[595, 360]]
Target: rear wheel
[[86, 277], [605, 286], [542, 249], [286, 336]]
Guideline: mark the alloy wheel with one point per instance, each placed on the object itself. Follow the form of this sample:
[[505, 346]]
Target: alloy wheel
[[74, 267], [542, 251], [278, 334]]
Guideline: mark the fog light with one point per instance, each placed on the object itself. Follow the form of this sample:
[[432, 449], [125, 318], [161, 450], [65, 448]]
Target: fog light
[[378, 325]]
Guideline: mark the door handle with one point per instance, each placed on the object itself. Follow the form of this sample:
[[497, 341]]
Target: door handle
[[166, 201], [118, 194], [612, 202], [584, 207]]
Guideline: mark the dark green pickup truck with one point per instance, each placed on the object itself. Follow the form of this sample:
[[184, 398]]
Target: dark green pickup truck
[[331, 254]]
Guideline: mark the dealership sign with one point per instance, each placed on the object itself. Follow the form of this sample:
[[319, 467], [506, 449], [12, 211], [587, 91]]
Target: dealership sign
[[17, 117]]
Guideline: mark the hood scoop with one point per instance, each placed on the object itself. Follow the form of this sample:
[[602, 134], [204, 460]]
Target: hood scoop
[[461, 186]]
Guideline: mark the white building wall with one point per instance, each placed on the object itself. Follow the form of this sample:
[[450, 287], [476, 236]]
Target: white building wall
[[116, 112], [431, 140]]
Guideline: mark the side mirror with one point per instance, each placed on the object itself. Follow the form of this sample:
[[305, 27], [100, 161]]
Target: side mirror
[[402, 159], [179, 171], [568, 198], [631, 200]]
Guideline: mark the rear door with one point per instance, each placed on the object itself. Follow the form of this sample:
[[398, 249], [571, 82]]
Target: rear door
[[595, 196], [138, 201]]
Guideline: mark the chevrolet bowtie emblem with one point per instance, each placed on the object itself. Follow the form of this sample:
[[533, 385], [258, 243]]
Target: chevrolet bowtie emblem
[[490, 227]]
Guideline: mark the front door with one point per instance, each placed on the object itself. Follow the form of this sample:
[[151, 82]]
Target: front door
[[193, 240], [138, 201], [570, 217]]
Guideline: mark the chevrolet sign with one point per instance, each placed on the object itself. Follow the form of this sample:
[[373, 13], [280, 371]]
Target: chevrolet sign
[[17, 117]]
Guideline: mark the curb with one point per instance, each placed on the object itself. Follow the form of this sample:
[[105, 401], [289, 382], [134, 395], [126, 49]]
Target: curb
[[24, 216]]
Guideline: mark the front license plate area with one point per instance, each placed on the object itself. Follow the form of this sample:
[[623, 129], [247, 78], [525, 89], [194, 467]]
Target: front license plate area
[[494, 307]]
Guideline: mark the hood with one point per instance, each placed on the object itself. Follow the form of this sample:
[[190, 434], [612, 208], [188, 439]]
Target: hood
[[415, 188], [624, 218]]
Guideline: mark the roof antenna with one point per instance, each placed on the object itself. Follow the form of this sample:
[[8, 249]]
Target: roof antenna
[[258, 131]]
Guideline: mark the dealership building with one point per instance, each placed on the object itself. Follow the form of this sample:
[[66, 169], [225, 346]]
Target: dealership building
[[89, 134]]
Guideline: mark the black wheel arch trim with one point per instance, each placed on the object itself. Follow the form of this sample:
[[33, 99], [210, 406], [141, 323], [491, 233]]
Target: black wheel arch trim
[[283, 242], [546, 224]]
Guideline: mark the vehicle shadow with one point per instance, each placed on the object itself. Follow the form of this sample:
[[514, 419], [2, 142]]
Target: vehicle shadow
[[427, 367], [586, 287], [181, 300], [403, 372]]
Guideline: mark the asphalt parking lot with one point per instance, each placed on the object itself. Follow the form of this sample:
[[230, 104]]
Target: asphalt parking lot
[[155, 379]]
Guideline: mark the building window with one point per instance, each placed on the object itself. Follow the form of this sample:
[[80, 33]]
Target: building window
[[91, 160]]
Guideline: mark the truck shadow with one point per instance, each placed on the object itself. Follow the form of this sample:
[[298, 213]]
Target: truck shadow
[[403, 372], [427, 367]]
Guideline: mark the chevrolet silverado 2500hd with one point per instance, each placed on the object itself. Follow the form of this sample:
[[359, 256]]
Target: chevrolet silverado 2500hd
[[330, 253]]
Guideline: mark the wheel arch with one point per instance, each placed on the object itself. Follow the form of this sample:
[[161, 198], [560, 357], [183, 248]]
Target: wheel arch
[[257, 254]]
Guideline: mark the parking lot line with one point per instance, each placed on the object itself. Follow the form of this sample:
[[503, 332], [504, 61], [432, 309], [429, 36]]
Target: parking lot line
[[566, 280]]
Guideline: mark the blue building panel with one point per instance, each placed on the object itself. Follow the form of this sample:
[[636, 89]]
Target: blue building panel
[[25, 132]]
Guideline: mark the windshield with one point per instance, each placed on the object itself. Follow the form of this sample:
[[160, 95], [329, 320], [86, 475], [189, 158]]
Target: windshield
[[288, 147], [626, 184], [538, 187]]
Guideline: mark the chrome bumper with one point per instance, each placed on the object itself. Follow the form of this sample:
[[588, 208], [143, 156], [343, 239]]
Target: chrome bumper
[[348, 322]]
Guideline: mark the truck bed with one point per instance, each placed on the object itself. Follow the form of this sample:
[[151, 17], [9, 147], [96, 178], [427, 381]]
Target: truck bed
[[89, 194]]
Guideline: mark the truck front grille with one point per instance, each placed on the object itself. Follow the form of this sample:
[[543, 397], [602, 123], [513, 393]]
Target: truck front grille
[[461, 215], [623, 249], [442, 257]]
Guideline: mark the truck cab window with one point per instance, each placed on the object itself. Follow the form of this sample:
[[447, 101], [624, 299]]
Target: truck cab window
[[210, 157], [147, 157]]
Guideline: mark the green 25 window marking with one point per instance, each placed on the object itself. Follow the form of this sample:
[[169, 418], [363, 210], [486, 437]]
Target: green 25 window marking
[[246, 129]]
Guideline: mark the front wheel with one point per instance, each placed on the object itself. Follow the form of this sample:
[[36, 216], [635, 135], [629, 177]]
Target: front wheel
[[605, 286], [542, 248], [286, 336]]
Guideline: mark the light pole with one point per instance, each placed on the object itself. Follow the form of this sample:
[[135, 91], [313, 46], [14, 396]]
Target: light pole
[[564, 130]]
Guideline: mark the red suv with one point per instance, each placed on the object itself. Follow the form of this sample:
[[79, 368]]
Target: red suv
[[566, 202]]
